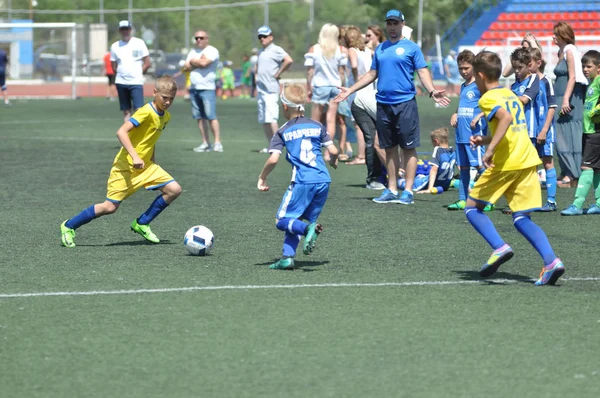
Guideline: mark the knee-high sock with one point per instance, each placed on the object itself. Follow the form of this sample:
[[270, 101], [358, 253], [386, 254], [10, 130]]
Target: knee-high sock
[[535, 235], [463, 186], [583, 187], [290, 243], [597, 187], [484, 226], [292, 225], [551, 184], [82, 218], [157, 206]]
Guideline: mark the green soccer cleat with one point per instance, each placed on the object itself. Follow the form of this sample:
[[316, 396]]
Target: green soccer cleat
[[488, 208], [458, 205], [310, 240], [497, 258], [283, 263], [145, 231], [67, 235]]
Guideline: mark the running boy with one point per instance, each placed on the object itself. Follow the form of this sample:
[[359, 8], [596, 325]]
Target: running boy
[[590, 169], [544, 109], [306, 195], [511, 163], [467, 121], [134, 167]]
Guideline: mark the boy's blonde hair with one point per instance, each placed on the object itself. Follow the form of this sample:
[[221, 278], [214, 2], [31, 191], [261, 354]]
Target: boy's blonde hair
[[166, 84], [295, 93], [440, 134]]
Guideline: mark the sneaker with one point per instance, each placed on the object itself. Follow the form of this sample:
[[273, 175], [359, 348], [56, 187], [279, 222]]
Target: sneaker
[[593, 209], [497, 258], [406, 198], [548, 207], [310, 241], [204, 147], [489, 208], [283, 263], [551, 273], [145, 231], [218, 147], [7, 104], [67, 235], [571, 211], [375, 185], [458, 205], [387, 197]]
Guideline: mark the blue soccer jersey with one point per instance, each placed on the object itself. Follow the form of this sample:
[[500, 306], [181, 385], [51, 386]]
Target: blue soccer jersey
[[529, 88], [303, 139], [468, 108], [544, 101], [396, 64], [444, 159]]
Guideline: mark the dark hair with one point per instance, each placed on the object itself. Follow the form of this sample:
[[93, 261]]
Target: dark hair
[[488, 63], [565, 32], [522, 55], [465, 56], [592, 56], [377, 32]]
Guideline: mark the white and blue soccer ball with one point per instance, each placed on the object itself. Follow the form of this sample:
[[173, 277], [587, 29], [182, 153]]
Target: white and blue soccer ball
[[198, 240]]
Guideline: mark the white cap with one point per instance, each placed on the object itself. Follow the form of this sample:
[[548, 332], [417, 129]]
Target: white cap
[[124, 24]]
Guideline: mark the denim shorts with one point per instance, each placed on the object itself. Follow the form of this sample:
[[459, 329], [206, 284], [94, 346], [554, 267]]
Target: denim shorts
[[204, 104], [322, 95], [131, 96]]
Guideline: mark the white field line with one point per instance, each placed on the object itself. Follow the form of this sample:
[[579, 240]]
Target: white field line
[[269, 287], [108, 139]]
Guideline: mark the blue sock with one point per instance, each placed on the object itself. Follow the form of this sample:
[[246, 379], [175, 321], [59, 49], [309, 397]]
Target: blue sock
[[551, 184], [290, 243], [292, 225], [535, 235], [484, 226], [82, 218], [153, 211], [463, 186]]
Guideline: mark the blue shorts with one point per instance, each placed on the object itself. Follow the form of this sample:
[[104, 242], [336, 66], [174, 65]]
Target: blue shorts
[[303, 201], [543, 150], [421, 183], [468, 156], [130, 93], [3, 81], [322, 95], [204, 104], [398, 124]]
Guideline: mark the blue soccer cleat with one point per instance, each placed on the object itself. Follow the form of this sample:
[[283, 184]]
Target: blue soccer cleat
[[497, 258], [571, 211], [548, 207], [551, 273], [387, 197], [406, 198], [593, 209]]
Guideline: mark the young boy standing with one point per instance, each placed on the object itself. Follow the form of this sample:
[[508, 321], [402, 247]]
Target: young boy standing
[[526, 87], [467, 121], [134, 167], [511, 163], [306, 195], [590, 168]]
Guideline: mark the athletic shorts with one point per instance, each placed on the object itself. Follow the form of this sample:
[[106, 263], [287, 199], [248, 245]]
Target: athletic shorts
[[3, 81], [123, 182], [111, 79], [521, 188], [303, 201], [543, 150], [322, 95], [246, 81], [131, 96], [204, 104], [228, 85], [268, 107], [468, 156], [591, 151], [398, 124]]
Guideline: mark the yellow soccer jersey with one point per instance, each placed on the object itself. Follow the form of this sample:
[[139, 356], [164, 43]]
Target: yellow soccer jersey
[[149, 125], [515, 151]]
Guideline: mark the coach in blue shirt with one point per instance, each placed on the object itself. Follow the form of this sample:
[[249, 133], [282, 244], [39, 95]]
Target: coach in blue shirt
[[394, 64]]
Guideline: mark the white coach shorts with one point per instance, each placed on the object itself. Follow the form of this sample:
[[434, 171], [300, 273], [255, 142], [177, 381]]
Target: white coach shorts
[[268, 107]]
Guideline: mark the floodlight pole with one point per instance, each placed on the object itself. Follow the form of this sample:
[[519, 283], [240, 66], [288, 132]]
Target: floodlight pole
[[420, 24], [187, 23], [129, 12], [9, 5], [101, 6], [266, 19]]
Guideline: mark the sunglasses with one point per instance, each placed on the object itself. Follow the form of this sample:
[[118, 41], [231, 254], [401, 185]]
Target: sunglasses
[[260, 37], [199, 37]]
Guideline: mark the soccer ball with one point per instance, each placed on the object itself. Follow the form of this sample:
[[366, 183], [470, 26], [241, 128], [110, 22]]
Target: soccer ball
[[198, 240]]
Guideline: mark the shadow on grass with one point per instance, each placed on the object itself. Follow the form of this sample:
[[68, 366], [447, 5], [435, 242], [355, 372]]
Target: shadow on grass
[[132, 243], [306, 266], [494, 280]]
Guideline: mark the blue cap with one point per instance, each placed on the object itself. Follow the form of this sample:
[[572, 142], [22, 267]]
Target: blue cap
[[394, 15], [264, 30]]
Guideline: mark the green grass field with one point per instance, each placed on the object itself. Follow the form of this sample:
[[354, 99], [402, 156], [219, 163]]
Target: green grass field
[[389, 305]]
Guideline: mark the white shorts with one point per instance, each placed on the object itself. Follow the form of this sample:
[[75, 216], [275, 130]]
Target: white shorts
[[268, 107]]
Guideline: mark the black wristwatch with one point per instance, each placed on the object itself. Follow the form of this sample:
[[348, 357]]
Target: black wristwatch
[[431, 93]]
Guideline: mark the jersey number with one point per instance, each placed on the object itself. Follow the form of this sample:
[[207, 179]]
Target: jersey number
[[447, 170], [515, 105], [307, 156]]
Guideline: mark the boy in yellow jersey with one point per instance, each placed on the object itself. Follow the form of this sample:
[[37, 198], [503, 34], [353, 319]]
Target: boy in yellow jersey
[[134, 167], [511, 162]]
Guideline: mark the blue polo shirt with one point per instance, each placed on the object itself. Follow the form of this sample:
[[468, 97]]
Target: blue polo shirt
[[396, 64]]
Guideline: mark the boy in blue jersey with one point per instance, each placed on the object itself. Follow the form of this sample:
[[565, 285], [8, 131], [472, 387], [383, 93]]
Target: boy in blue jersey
[[134, 167], [468, 122], [526, 87], [306, 195], [544, 108]]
